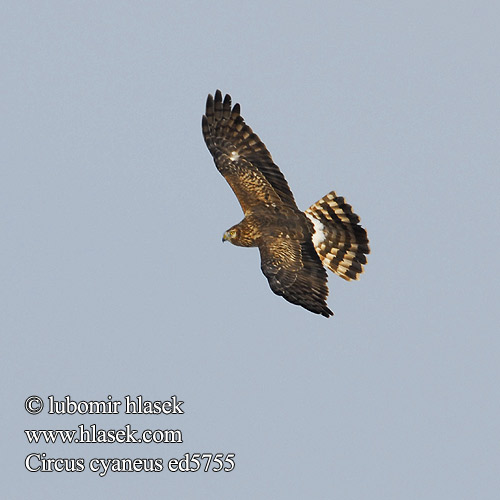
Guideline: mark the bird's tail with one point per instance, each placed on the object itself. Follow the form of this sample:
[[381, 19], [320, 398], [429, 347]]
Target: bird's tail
[[341, 243]]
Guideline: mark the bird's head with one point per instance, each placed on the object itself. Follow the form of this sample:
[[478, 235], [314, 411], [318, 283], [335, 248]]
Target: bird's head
[[230, 235], [242, 234]]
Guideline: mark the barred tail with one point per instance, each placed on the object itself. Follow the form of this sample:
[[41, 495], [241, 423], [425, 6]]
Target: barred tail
[[339, 240]]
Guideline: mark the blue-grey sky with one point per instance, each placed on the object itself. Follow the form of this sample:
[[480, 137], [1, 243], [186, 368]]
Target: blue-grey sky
[[115, 281]]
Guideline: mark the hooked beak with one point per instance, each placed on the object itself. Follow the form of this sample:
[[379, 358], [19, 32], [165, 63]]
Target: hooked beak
[[225, 237]]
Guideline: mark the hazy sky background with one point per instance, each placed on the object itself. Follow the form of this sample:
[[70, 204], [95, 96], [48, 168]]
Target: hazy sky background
[[115, 280]]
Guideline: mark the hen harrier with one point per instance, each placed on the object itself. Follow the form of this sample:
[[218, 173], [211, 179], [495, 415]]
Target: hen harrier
[[295, 246]]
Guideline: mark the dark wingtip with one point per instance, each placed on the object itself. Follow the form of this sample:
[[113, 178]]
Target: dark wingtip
[[210, 101], [326, 312], [216, 102], [209, 108]]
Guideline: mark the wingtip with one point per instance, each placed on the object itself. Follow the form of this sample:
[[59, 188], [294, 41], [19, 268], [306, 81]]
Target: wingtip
[[209, 108], [221, 106], [327, 313]]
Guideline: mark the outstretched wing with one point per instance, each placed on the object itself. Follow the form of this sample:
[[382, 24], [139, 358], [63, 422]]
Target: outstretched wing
[[295, 272], [241, 157]]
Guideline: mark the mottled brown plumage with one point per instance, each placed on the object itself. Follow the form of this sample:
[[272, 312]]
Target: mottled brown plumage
[[293, 245]]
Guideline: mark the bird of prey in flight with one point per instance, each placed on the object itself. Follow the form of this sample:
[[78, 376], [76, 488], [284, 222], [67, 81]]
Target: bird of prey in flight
[[295, 247]]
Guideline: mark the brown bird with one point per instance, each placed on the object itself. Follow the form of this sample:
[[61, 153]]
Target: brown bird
[[295, 246]]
